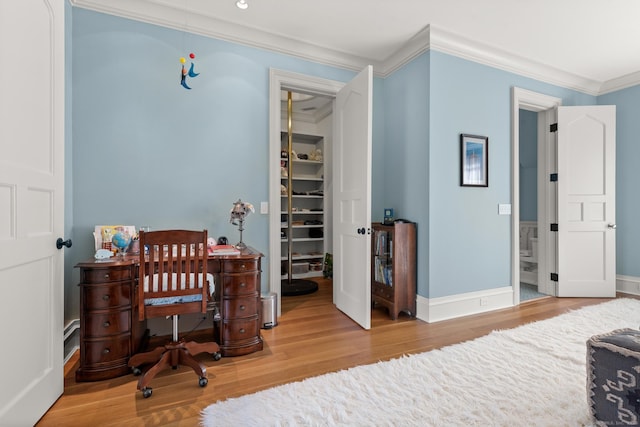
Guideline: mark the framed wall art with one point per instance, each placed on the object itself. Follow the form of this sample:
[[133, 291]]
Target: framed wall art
[[474, 160]]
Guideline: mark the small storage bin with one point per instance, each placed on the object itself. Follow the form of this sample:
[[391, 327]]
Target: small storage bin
[[300, 267], [315, 266], [613, 378]]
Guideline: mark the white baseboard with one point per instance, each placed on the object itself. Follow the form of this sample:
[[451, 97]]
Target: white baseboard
[[71, 339], [628, 284], [450, 307]]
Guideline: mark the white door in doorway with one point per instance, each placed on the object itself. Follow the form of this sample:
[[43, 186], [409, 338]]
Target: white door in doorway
[[31, 207], [586, 139], [352, 198]]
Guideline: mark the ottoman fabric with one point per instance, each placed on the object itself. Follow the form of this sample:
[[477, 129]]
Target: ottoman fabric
[[613, 377]]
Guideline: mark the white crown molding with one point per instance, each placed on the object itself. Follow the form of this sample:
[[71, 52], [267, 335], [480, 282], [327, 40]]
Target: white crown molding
[[620, 83], [164, 14], [453, 44], [417, 45]]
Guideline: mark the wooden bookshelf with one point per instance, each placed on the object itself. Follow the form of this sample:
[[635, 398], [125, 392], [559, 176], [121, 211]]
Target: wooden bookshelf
[[393, 268]]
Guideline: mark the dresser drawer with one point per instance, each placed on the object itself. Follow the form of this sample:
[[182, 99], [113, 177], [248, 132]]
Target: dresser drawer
[[106, 274], [239, 265], [237, 331], [105, 324], [106, 296], [104, 351], [240, 284], [240, 307]]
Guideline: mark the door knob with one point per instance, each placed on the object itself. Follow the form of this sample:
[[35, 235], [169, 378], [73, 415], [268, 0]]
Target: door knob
[[361, 230], [60, 243], [611, 225]]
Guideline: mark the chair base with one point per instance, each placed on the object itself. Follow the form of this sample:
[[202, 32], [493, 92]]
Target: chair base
[[172, 355]]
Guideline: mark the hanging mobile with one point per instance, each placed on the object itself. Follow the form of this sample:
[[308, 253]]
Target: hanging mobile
[[184, 73]]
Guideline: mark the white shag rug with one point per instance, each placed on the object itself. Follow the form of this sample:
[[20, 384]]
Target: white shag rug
[[533, 375]]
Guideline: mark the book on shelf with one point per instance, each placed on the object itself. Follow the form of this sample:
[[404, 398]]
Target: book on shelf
[[223, 250]]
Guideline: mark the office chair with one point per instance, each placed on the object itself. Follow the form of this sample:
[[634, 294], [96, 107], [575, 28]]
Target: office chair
[[173, 280]]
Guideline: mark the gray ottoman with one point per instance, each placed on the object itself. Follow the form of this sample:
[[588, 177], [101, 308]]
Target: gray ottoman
[[613, 377]]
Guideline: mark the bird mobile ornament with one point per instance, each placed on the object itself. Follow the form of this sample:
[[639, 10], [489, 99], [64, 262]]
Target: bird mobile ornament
[[184, 74]]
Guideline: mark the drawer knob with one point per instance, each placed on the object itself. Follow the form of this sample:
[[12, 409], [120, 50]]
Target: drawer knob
[[242, 266], [106, 324], [242, 330], [242, 285], [106, 351], [242, 307], [106, 276], [105, 297]]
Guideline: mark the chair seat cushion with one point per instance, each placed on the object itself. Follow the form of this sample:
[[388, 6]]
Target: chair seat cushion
[[172, 300], [177, 299]]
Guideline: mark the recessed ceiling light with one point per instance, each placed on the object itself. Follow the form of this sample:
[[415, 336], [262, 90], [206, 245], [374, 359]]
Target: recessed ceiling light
[[242, 4]]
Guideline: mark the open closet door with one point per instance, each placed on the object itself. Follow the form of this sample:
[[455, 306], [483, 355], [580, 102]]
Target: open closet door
[[586, 141], [351, 198]]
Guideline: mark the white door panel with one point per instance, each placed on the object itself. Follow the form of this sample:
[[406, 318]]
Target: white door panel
[[31, 207], [586, 201], [352, 195]]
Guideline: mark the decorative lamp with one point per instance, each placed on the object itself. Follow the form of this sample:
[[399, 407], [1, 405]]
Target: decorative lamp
[[239, 211]]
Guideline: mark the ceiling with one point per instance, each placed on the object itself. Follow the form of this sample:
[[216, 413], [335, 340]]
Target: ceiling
[[587, 45]]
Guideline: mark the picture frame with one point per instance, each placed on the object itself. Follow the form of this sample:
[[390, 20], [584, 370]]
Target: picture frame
[[474, 160]]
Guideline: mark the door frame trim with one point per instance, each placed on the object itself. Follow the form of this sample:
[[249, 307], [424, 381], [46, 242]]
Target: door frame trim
[[537, 102], [284, 80]]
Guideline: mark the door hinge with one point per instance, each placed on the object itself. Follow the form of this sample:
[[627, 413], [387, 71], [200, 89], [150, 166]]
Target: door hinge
[[553, 177], [553, 127], [554, 277], [554, 227]]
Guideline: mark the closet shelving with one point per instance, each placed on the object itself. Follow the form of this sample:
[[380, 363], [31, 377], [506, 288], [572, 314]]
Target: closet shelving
[[307, 198]]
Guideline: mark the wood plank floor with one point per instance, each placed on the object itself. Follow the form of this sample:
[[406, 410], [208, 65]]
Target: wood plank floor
[[312, 338]]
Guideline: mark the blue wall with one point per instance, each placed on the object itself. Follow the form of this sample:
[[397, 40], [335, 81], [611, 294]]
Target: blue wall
[[528, 165], [627, 103], [146, 151], [132, 123], [470, 244], [406, 153]]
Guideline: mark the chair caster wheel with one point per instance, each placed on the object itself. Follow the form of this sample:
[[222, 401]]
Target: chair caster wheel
[[136, 371], [203, 381], [217, 356], [146, 392]]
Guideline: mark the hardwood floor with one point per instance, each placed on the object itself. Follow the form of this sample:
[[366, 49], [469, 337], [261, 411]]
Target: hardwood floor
[[312, 338]]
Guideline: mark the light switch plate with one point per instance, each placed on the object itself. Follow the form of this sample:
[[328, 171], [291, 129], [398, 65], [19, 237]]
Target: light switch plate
[[264, 207], [504, 209]]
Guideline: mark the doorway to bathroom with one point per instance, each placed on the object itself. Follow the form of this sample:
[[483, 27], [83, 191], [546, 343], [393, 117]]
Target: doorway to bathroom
[[529, 249]]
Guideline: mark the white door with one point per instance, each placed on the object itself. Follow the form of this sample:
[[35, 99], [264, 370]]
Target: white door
[[586, 140], [31, 207], [351, 198]]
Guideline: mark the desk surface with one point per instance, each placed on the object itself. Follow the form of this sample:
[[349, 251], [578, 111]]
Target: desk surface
[[246, 253]]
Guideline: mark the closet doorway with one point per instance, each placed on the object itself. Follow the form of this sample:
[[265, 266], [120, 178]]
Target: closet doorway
[[348, 180], [305, 87]]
